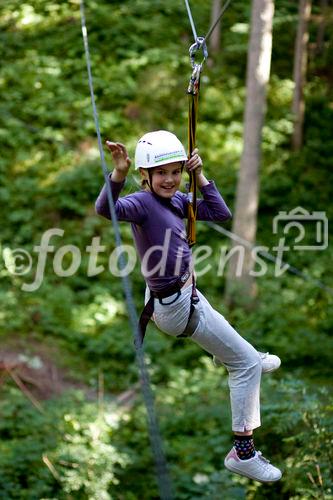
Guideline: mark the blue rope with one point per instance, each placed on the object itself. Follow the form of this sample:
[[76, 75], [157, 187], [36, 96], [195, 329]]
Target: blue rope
[[195, 36], [162, 473]]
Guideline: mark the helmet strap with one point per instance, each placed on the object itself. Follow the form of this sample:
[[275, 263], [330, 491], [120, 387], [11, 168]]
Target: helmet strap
[[150, 182]]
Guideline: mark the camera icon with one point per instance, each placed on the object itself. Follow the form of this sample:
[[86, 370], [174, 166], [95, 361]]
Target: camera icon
[[300, 219]]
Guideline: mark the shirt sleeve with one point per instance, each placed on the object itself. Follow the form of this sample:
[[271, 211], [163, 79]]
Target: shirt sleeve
[[129, 208], [212, 206]]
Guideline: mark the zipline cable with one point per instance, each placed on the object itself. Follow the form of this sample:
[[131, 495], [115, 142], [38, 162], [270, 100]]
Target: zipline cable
[[162, 473]]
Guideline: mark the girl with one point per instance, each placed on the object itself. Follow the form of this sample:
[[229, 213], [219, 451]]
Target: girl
[[156, 214]]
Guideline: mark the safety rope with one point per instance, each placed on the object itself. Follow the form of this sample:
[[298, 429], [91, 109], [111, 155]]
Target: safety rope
[[193, 93], [162, 473], [218, 19], [213, 25], [189, 13]]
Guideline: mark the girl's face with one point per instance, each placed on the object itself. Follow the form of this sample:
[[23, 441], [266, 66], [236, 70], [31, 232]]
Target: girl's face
[[165, 179]]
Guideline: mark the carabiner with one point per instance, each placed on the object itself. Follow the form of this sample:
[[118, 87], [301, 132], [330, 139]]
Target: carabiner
[[200, 43], [193, 84]]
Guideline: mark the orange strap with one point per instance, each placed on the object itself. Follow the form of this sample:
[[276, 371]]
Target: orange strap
[[193, 93]]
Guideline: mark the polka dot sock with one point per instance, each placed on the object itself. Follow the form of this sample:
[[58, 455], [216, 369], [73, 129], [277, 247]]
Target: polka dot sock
[[244, 446]]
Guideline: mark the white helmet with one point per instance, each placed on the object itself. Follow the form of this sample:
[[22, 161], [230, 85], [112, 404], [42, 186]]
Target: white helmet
[[158, 148]]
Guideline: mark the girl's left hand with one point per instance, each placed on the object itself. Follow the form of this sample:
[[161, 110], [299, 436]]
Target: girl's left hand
[[194, 164]]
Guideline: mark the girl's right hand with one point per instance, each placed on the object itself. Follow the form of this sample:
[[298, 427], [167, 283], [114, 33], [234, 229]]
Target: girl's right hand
[[120, 156]]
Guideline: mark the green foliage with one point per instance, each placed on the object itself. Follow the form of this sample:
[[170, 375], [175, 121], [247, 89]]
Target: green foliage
[[62, 452], [49, 178], [303, 422]]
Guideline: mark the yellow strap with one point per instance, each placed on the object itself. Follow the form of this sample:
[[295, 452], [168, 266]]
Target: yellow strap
[[192, 204]]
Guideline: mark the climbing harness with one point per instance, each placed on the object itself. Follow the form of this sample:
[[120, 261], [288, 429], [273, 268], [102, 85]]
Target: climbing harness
[[148, 310]]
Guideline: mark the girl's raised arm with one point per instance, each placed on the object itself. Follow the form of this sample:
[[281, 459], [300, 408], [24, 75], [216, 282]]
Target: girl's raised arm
[[122, 161]]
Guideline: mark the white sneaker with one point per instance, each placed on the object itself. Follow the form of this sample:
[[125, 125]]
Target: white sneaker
[[257, 467], [270, 362]]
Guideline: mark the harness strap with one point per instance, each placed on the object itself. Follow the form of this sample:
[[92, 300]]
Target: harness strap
[[194, 316], [193, 93], [200, 44], [145, 316], [148, 310]]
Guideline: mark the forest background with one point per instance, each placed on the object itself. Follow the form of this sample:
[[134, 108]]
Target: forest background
[[73, 425]]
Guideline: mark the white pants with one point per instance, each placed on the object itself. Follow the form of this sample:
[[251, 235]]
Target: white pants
[[216, 336]]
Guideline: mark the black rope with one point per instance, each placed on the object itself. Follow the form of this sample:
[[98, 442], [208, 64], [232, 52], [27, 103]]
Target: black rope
[[162, 473], [213, 26], [202, 41]]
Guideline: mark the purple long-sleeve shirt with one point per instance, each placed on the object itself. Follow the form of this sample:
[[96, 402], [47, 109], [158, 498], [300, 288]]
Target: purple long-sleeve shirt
[[158, 228]]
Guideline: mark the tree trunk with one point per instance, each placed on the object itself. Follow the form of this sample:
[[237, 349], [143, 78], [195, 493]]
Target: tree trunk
[[322, 26], [215, 39], [300, 64], [240, 286]]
